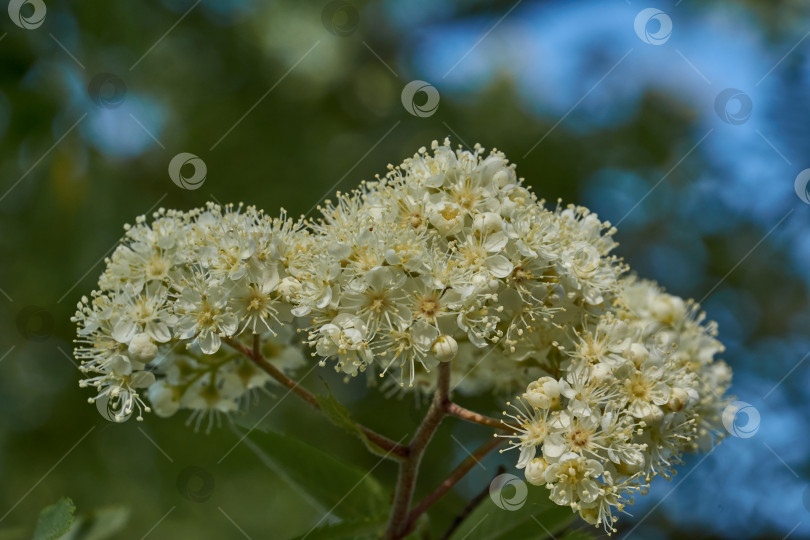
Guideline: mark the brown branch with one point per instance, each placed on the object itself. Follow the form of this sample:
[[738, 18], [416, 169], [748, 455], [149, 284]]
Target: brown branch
[[409, 468], [391, 448], [458, 473], [471, 416]]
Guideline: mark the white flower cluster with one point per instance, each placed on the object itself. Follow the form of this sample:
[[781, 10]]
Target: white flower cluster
[[449, 258], [639, 388], [172, 291], [446, 258]]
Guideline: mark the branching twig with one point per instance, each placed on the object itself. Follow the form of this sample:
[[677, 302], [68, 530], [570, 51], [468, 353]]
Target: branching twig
[[409, 468], [476, 418], [474, 502], [392, 448], [402, 518], [458, 473]]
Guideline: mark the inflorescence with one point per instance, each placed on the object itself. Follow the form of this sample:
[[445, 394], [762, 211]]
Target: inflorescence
[[446, 258]]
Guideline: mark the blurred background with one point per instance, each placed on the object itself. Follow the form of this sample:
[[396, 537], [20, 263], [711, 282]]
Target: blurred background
[[686, 124]]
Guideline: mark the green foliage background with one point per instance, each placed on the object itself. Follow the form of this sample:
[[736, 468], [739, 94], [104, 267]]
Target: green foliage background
[[333, 120]]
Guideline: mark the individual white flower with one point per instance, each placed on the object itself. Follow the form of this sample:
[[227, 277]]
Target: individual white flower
[[409, 347], [257, 304], [145, 312], [544, 393], [644, 390], [573, 479], [344, 337], [165, 398], [379, 299], [447, 217], [211, 395], [205, 316]]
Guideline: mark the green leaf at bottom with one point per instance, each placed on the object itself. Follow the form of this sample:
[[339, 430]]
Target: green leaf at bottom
[[54, 520], [338, 488]]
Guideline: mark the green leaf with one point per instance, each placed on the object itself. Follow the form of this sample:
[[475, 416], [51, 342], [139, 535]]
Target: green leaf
[[361, 528], [54, 520], [335, 487], [537, 518], [100, 524], [339, 415]]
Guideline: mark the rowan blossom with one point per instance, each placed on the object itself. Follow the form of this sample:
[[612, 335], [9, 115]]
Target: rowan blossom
[[447, 258], [452, 240], [151, 337], [639, 387]]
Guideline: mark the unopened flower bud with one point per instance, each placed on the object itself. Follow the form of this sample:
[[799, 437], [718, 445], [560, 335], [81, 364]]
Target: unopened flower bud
[[142, 348], [535, 471], [445, 348]]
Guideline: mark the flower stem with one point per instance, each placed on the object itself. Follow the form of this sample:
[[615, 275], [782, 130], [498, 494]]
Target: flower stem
[[391, 448], [476, 418], [458, 473], [409, 468]]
